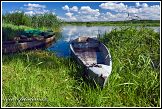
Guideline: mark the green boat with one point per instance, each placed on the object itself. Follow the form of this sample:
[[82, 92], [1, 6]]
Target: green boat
[[24, 42]]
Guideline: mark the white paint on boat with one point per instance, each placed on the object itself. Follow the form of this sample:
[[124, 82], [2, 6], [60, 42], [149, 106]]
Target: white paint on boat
[[95, 56]]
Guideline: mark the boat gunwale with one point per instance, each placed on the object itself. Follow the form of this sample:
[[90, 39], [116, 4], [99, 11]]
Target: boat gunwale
[[88, 68], [19, 46]]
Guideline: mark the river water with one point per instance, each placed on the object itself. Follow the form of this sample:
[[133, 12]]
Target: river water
[[68, 33]]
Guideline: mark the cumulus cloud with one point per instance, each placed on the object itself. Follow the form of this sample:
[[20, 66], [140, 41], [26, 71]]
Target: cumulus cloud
[[16, 11], [132, 10], [73, 18], [62, 18], [141, 5], [30, 13], [74, 8], [108, 16], [70, 17], [141, 10], [32, 9], [114, 12], [88, 10], [69, 14], [66, 7], [148, 12], [145, 5], [152, 12], [118, 7], [137, 4], [34, 6], [33, 12]]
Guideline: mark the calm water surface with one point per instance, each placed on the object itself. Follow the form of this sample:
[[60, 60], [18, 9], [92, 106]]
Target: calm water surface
[[61, 46]]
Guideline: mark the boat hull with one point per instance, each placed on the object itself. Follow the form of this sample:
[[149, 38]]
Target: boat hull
[[21, 45], [98, 72]]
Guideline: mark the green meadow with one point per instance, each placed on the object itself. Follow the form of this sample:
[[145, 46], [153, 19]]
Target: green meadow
[[40, 78]]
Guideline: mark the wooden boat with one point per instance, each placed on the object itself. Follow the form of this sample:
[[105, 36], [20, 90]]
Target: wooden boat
[[26, 44], [94, 56]]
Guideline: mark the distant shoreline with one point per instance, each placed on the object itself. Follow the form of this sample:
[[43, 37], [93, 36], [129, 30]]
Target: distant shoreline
[[118, 23]]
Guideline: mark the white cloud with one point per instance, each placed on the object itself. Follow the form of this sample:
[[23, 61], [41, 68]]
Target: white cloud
[[32, 9], [35, 5], [85, 13], [146, 12], [33, 12], [141, 10], [155, 9], [16, 11], [132, 10], [113, 6], [88, 10], [144, 5], [155, 6], [30, 13], [113, 17], [109, 14], [74, 8], [73, 18], [66, 7], [62, 18], [69, 17], [69, 14], [137, 4]]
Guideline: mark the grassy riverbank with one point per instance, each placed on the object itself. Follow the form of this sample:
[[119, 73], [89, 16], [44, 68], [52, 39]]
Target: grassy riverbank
[[14, 24], [9, 31], [53, 81], [118, 23], [48, 20]]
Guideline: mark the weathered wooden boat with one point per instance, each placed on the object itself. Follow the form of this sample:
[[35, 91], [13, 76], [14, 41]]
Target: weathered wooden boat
[[94, 56], [26, 44]]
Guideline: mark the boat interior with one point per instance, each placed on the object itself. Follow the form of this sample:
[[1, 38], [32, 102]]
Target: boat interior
[[90, 51]]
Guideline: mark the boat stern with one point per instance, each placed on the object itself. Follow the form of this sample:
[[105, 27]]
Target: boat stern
[[99, 74]]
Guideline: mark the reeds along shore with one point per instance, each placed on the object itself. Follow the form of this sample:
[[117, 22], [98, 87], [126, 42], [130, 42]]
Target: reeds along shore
[[16, 23]]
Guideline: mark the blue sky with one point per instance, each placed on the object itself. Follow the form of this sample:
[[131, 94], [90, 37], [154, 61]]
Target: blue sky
[[88, 11]]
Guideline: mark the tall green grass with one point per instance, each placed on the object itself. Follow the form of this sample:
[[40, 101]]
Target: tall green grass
[[14, 24], [17, 18], [136, 64], [38, 75], [134, 81], [47, 20], [10, 31]]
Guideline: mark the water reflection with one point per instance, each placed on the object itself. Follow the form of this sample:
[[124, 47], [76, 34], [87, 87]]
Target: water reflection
[[61, 47]]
